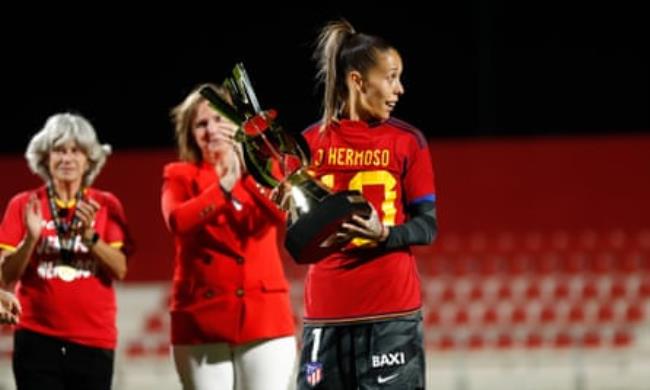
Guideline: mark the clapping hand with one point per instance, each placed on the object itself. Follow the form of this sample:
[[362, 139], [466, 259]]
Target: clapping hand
[[33, 217], [86, 211]]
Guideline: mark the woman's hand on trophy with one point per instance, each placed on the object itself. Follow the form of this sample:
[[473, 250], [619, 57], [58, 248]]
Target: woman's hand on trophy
[[359, 227], [281, 196]]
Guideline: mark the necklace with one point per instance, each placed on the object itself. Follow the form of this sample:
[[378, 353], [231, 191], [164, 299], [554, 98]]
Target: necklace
[[66, 231]]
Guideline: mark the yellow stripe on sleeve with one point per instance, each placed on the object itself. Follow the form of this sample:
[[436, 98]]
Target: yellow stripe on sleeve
[[116, 244], [7, 247]]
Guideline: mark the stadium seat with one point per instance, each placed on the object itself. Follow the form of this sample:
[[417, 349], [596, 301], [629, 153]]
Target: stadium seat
[[519, 315], [135, 349], [533, 290], [504, 340], [618, 289], [563, 340], [504, 291], [634, 313], [547, 314], [631, 262], [605, 313], [154, 323], [446, 342], [433, 318], [574, 263], [476, 291], [589, 289], [591, 339], [163, 349], [602, 263], [622, 338], [576, 313], [476, 341], [461, 317], [534, 340], [561, 290], [644, 288], [490, 316]]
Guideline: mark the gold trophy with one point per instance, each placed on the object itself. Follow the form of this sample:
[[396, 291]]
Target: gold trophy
[[280, 161]]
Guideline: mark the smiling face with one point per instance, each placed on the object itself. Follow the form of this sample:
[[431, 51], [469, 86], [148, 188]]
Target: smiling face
[[67, 162], [373, 96], [211, 132]]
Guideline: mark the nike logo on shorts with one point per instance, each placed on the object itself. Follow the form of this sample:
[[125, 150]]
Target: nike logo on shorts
[[385, 379]]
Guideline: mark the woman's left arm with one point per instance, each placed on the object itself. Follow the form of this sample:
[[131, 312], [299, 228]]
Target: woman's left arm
[[420, 229], [261, 195], [110, 258]]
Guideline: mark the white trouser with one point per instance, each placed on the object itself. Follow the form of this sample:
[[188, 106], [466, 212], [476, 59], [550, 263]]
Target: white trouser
[[268, 364]]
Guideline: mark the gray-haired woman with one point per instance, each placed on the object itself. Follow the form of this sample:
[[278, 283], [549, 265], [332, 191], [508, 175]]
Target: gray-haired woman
[[63, 243]]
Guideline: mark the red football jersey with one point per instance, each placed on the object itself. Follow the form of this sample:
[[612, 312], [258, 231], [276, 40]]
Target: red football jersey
[[75, 302], [389, 163]]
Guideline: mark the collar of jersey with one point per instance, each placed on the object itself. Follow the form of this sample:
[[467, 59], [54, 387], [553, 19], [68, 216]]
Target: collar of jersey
[[65, 204], [348, 123]]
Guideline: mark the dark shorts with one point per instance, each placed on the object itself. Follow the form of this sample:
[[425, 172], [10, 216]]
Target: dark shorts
[[44, 362], [386, 354]]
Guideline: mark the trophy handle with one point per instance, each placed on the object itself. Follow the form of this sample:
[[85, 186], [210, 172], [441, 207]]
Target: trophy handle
[[221, 106], [258, 132], [280, 146], [305, 157]]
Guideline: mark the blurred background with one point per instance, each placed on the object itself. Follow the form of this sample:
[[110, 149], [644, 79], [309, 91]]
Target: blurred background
[[538, 118]]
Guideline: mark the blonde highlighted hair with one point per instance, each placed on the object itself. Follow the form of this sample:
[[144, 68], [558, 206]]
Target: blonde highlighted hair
[[183, 116]]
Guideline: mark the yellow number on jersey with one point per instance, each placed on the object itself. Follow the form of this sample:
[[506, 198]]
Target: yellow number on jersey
[[370, 178]]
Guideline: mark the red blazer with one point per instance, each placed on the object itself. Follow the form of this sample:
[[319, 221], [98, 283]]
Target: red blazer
[[229, 285]]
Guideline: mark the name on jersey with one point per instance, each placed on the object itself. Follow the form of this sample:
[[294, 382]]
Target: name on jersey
[[354, 157], [388, 360]]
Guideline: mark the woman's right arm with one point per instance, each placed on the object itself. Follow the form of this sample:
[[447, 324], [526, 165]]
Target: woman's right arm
[[183, 211], [14, 262]]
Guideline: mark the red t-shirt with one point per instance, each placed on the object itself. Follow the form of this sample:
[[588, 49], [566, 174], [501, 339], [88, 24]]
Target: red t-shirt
[[389, 163], [74, 302]]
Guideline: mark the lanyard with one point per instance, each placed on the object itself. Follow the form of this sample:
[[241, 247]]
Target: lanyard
[[66, 231]]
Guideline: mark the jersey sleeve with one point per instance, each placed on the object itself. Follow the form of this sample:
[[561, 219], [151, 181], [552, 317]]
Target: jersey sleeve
[[419, 178], [117, 232], [12, 229]]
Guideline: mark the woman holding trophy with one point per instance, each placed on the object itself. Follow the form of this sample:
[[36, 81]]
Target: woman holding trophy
[[363, 326], [232, 323]]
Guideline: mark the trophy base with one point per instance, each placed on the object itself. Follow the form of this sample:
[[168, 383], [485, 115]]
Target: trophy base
[[308, 239]]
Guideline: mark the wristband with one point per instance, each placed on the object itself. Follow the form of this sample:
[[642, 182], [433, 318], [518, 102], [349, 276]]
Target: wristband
[[92, 241]]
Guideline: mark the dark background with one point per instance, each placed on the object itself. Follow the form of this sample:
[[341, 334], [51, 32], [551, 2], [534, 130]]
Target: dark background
[[479, 69]]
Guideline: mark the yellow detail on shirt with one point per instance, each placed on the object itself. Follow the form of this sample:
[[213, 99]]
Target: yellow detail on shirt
[[353, 157], [7, 247]]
